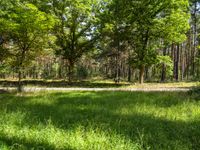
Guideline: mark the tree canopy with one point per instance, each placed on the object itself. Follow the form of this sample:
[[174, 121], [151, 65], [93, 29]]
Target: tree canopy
[[120, 37]]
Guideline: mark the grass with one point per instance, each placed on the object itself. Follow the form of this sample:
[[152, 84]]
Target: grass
[[99, 121], [165, 85], [94, 84]]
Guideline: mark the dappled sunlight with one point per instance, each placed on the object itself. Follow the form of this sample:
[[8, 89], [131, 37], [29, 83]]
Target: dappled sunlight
[[115, 120], [51, 137], [99, 75]]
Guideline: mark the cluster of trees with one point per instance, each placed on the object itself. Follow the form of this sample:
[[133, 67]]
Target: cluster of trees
[[118, 39]]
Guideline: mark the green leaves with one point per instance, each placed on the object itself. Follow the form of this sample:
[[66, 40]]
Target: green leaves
[[165, 20], [75, 27], [167, 62], [27, 30]]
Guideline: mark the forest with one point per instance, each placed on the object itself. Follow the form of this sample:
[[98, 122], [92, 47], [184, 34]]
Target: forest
[[99, 74], [120, 40]]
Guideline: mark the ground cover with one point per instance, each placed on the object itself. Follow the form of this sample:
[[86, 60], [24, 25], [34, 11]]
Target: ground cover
[[99, 121]]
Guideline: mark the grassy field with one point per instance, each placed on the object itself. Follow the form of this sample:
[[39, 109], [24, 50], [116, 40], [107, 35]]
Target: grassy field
[[95, 84], [165, 85], [99, 121]]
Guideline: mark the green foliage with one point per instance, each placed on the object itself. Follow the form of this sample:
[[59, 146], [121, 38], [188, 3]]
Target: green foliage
[[174, 26], [150, 58], [142, 27], [4, 68], [82, 73], [74, 28], [168, 20], [27, 28], [167, 62], [135, 30]]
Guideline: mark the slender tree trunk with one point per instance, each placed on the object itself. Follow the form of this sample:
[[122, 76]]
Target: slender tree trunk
[[129, 73], [129, 66], [194, 49], [142, 67], [163, 75], [174, 60], [141, 77], [146, 73], [182, 63], [187, 53], [189, 62], [177, 63], [61, 62], [118, 70], [20, 66], [70, 71], [117, 74], [19, 87]]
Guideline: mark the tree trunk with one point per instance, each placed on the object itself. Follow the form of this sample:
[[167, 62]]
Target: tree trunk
[[174, 60], [19, 87], [182, 63], [177, 63], [163, 75], [20, 66], [142, 67], [141, 77], [195, 36], [70, 71], [117, 71], [129, 73], [147, 74]]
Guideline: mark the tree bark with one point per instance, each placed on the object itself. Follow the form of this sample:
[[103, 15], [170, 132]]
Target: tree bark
[[194, 49], [20, 66], [19, 87], [129, 73], [147, 74], [182, 65], [142, 67], [70, 71], [177, 63], [141, 77], [163, 75]]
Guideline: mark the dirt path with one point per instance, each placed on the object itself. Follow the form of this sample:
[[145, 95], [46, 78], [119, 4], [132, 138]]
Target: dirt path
[[37, 89]]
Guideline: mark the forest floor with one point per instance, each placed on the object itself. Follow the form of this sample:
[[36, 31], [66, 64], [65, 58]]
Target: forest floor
[[100, 120]]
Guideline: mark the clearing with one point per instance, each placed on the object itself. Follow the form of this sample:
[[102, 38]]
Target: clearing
[[99, 121]]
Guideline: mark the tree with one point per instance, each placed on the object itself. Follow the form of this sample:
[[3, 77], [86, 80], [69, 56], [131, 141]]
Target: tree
[[152, 21], [3, 24], [194, 39], [114, 33], [74, 29], [28, 30]]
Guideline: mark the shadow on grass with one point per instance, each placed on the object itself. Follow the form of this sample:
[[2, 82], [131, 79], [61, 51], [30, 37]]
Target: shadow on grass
[[24, 144], [85, 84], [103, 110]]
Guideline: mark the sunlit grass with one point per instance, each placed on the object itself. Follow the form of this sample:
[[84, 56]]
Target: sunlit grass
[[99, 121], [165, 85]]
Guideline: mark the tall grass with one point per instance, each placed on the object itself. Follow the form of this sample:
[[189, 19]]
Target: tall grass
[[99, 121]]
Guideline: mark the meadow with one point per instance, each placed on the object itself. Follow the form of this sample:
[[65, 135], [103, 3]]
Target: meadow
[[99, 121]]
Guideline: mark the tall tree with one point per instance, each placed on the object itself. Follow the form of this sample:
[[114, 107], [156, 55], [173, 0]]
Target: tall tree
[[28, 30], [154, 20], [74, 29], [114, 32]]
